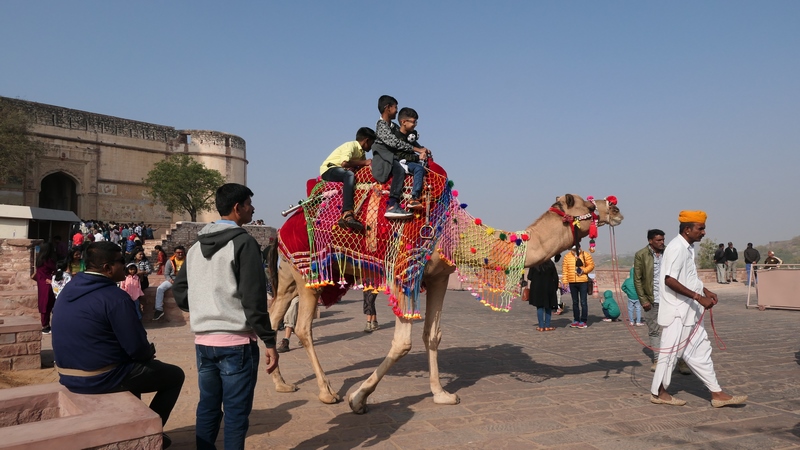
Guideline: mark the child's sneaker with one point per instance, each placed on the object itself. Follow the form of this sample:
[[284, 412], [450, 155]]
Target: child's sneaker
[[605, 319], [574, 324], [415, 205], [632, 324], [639, 324], [583, 325], [396, 212]]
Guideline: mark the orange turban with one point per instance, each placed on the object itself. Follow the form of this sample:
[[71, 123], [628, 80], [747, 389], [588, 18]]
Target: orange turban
[[692, 216]]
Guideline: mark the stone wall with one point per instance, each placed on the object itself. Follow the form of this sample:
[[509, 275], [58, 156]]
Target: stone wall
[[20, 343], [17, 290], [107, 159], [185, 233]]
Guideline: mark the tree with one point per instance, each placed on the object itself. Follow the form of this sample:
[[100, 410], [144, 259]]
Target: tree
[[705, 257], [18, 148], [183, 185]]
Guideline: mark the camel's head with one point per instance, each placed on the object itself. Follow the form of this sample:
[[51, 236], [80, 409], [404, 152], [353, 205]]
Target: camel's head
[[573, 205], [608, 211]]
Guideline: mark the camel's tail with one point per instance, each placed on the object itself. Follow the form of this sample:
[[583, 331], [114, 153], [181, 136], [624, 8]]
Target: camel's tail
[[272, 266]]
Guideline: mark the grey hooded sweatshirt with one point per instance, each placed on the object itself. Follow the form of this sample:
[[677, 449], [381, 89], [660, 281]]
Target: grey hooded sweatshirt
[[223, 285]]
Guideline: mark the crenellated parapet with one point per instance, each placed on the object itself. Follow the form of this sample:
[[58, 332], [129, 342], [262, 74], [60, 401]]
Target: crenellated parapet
[[75, 119], [100, 163]]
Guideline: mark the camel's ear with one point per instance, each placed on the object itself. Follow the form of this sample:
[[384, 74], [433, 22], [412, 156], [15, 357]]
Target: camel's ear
[[570, 200]]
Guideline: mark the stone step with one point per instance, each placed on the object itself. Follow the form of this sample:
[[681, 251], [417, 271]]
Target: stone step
[[20, 302]]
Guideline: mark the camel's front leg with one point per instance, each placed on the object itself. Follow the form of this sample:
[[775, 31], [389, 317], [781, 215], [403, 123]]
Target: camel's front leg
[[305, 318], [432, 335], [401, 345]]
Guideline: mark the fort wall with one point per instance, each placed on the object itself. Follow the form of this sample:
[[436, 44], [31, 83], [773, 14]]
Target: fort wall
[[107, 159]]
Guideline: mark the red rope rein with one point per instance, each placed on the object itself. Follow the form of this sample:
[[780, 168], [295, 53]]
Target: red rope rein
[[617, 296]]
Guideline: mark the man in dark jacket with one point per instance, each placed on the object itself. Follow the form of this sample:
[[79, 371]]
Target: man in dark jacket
[[751, 256], [719, 263], [731, 256], [99, 342], [224, 286]]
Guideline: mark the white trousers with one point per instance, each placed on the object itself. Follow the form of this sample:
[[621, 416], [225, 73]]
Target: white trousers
[[696, 354]]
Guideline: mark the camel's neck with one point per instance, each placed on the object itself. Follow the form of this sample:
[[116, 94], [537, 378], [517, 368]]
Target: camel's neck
[[549, 236]]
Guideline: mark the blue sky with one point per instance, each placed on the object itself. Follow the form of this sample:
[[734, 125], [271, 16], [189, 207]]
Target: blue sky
[[666, 105]]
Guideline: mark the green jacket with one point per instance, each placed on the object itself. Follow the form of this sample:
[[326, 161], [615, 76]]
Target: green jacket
[[643, 275], [628, 288]]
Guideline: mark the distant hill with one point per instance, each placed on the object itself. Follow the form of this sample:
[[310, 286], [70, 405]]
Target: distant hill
[[788, 251]]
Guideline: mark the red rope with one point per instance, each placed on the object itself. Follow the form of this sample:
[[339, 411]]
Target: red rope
[[617, 290]]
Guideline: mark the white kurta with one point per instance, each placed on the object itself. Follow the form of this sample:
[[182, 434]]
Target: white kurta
[[678, 315]]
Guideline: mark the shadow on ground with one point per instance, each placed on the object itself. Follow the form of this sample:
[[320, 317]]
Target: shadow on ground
[[460, 367]]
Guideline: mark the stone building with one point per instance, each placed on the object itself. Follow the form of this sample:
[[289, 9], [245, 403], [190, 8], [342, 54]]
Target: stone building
[[97, 164]]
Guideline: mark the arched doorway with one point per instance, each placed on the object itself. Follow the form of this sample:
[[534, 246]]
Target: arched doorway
[[59, 192]]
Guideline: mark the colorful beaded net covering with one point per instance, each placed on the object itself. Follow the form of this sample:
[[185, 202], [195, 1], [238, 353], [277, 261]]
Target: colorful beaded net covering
[[391, 254]]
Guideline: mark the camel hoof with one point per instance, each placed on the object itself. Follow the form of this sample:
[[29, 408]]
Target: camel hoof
[[285, 388], [357, 406], [446, 398], [329, 399]]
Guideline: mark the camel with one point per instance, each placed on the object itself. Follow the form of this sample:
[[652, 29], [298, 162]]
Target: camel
[[549, 235]]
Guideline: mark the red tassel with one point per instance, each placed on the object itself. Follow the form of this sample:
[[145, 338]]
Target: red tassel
[[593, 230]]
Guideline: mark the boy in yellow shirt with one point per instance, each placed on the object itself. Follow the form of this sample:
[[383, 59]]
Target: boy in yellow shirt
[[341, 165]]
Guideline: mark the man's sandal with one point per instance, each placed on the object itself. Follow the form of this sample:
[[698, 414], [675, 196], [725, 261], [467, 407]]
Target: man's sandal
[[672, 401]]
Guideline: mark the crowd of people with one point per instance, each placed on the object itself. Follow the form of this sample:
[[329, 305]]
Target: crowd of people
[[665, 291], [58, 261]]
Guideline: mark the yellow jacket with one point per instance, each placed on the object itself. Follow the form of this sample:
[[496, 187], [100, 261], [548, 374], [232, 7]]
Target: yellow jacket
[[568, 274]]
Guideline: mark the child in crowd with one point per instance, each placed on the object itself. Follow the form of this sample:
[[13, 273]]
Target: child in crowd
[[633, 300], [289, 322], [350, 155], [610, 308], [384, 160], [60, 278], [412, 161], [133, 287], [370, 294]]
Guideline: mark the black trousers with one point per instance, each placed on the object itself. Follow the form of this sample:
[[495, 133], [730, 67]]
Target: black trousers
[[164, 379]]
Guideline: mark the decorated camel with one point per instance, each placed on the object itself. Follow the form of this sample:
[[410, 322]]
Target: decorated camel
[[320, 261]]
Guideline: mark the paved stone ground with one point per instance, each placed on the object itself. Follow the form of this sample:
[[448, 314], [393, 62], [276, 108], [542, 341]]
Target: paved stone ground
[[519, 388]]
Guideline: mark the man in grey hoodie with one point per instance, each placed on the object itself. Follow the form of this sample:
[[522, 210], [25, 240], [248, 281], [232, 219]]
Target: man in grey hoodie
[[224, 286]]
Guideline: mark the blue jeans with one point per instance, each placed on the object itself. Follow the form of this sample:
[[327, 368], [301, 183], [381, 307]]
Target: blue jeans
[[348, 179], [749, 267], [227, 379], [418, 171], [138, 304], [162, 289], [579, 313], [634, 305], [543, 314]]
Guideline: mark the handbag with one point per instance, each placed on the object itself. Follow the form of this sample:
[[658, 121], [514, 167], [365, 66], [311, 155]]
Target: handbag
[[526, 294], [145, 282]]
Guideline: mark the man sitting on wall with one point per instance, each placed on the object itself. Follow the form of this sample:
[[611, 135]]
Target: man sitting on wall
[[99, 342]]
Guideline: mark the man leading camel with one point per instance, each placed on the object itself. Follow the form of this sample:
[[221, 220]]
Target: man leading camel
[[683, 298]]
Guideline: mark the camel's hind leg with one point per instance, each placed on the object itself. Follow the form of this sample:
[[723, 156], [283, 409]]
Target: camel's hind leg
[[291, 283], [432, 335], [287, 290], [401, 345]]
